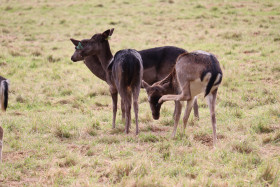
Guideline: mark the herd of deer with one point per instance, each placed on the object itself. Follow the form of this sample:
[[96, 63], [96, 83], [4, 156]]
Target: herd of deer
[[167, 74]]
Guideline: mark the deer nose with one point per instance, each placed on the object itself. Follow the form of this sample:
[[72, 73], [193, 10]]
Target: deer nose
[[72, 59]]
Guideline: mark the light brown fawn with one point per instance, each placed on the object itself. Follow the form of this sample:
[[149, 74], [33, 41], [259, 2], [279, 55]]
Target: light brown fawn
[[194, 73]]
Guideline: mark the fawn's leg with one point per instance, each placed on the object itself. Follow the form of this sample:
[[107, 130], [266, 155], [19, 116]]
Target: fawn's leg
[[184, 96], [178, 109], [195, 108], [187, 113], [211, 102]]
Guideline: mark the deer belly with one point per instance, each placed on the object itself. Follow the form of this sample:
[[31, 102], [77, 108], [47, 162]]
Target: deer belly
[[149, 75], [197, 86]]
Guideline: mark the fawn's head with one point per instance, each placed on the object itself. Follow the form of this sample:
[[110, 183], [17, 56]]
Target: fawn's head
[[93, 46], [155, 92]]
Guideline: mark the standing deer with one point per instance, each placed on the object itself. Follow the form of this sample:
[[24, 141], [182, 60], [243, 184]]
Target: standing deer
[[125, 73], [4, 89], [194, 73], [157, 62]]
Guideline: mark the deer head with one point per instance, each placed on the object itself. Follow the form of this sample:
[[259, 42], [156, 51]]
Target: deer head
[[93, 46], [155, 92]]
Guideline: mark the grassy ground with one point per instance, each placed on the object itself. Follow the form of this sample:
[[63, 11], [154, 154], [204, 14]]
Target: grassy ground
[[58, 124]]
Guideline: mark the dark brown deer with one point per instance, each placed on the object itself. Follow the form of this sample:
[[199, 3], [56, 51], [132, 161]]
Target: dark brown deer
[[157, 62], [125, 73], [194, 73], [4, 89]]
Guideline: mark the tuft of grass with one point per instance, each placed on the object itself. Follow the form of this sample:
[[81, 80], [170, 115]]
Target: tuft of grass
[[92, 132], [243, 147], [122, 169], [199, 6], [36, 53], [117, 130], [63, 132], [268, 174], [275, 138], [20, 99], [232, 36], [109, 140], [148, 138], [52, 59], [167, 121], [262, 127], [164, 150], [90, 153], [68, 162]]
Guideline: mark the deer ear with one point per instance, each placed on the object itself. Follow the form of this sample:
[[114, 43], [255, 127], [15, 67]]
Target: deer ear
[[166, 85], [111, 31], [145, 85], [106, 34], [75, 42]]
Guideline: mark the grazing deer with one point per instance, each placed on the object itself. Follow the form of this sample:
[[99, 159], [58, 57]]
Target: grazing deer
[[157, 62], [4, 89], [194, 73], [1, 142], [125, 73]]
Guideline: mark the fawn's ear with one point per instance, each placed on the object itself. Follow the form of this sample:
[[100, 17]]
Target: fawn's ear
[[166, 85], [145, 85], [106, 34], [75, 42]]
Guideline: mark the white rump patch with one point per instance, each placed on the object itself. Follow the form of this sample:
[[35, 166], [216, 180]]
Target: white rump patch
[[217, 78], [197, 86], [207, 77]]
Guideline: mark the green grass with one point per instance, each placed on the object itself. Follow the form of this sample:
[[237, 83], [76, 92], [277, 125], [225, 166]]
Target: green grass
[[58, 124]]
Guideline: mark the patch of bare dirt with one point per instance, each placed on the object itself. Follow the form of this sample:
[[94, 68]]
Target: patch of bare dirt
[[17, 155], [270, 150], [207, 139]]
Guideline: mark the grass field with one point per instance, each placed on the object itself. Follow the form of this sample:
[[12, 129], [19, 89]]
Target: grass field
[[58, 124]]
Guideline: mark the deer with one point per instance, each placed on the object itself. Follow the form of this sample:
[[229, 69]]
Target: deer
[[4, 89], [125, 72], [1, 142], [194, 73], [157, 62]]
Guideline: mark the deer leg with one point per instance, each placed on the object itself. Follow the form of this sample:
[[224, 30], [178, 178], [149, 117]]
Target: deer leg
[[184, 96], [175, 108], [195, 108], [114, 95], [127, 116], [135, 106], [1, 142], [126, 96], [212, 101], [178, 109], [187, 113], [123, 110]]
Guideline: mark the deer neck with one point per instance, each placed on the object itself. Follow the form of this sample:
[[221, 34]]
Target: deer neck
[[105, 56], [94, 65]]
